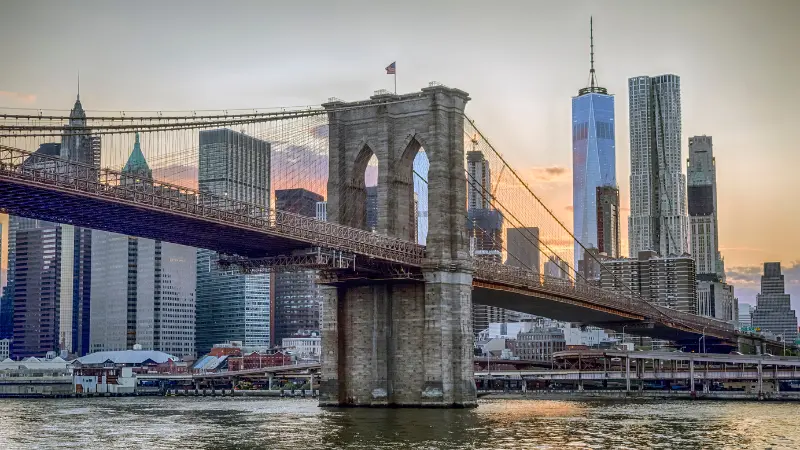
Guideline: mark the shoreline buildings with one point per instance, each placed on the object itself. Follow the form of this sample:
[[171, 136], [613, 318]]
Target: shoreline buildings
[[594, 166]]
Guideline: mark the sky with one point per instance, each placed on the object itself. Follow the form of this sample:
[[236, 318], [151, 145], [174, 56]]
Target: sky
[[521, 62]]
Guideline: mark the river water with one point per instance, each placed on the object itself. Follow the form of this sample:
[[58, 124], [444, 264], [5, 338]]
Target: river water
[[228, 423]]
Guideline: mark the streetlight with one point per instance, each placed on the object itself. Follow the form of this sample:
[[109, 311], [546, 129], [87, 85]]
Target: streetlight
[[703, 337], [623, 335]]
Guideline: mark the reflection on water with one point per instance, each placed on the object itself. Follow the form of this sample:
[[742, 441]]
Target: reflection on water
[[217, 423]]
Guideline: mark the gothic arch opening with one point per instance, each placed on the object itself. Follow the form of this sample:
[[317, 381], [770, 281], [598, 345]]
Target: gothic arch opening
[[361, 180], [414, 165]]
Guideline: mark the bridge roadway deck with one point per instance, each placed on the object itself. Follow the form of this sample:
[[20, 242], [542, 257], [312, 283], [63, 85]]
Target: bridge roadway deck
[[52, 189]]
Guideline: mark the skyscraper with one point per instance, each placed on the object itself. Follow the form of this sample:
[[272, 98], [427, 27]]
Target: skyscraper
[[479, 181], [523, 248], [593, 155], [37, 287], [77, 143], [61, 313], [297, 300], [143, 291], [608, 234], [702, 196], [715, 299], [6, 307], [484, 222], [658, 219], [232, 305], [485, 229], [372, 208], [773, 312]]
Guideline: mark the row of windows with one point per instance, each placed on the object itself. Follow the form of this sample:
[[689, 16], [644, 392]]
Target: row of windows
[[603, 130]]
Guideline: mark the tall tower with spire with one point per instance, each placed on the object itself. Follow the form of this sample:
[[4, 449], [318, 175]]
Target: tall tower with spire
[[593, 162], [77, 142]]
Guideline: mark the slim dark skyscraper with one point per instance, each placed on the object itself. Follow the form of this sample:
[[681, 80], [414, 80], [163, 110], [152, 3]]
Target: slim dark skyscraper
[[593, 154], [608, 234]]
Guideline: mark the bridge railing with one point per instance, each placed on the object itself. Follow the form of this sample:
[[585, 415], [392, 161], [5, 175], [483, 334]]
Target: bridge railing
[[515, 276], [528, 279], [105, 183]]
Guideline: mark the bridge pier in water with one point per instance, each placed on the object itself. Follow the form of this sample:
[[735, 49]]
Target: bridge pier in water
[[401, 341]]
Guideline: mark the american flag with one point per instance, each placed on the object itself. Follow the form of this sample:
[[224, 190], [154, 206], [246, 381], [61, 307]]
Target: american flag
[[390, 69]]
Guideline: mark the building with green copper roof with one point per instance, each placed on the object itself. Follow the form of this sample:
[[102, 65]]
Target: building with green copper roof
[[137, 164]]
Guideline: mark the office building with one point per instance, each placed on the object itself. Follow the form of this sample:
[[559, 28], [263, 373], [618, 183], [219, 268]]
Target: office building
[[47, 293], [556, 267], [539, 343], [322, 211], [593, 156], [702, 200], [485, 231], [522, 246], [6, 302], [773, 312], [143, 291], [297, 201], [715, 299], [5, 348], [49, 265], [232, 306], [372, 208], [297, 300], [658, 220], [306, 347], [479, 181], [608, 231], [745, 316], [37, 287], [665, 281], [77, 143], [590, 266]]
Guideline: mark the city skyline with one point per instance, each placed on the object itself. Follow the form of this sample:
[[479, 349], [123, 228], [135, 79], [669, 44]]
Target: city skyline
[[532, 131]]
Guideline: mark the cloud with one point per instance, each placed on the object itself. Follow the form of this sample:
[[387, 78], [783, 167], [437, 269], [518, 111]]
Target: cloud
[[553, 174], [18, 97]]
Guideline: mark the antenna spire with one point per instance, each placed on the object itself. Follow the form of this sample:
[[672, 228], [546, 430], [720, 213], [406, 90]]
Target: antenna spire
[[593, 80], [593, 86], [79, 84]]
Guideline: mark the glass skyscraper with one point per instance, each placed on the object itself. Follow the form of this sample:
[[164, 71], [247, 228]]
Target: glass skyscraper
[[593, 156], [232, 306], [142, 291]]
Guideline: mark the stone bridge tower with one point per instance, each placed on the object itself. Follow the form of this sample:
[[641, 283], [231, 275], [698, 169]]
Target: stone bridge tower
[[401, 341]]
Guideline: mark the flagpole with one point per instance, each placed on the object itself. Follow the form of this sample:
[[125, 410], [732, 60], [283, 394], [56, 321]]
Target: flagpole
[[395, 81]]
